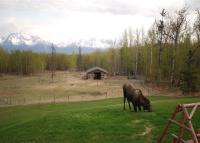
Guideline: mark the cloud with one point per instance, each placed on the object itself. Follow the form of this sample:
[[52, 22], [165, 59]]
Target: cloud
[[122, 7], [194, 4], [68, 19], [7, 25]]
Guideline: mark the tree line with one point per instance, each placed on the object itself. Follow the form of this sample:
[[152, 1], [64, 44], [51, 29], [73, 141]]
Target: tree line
[[27, 62], [169, 52]]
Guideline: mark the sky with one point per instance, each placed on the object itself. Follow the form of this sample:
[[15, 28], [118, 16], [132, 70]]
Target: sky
[[65, 20]]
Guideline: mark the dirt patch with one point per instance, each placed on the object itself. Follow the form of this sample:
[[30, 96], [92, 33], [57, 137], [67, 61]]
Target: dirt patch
[[146, 132], [136, 121]]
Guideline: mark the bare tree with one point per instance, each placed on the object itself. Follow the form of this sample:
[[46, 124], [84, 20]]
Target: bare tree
[[131, 45], [125, 45], [176, 27], [197, 32], [53, 62], [160, 30], [130, 38], [123, 53], [114, 66], [152, 39], [79, 59], [137, 51], [197, 26]]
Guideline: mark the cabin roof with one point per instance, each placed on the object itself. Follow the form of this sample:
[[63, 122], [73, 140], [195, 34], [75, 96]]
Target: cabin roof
[[95, 69]]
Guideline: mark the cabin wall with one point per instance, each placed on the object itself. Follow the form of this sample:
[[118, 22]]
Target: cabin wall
[[103, 75], [92, 75]]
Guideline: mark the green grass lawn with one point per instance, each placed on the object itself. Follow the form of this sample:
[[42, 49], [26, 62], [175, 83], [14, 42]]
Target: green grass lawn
[[92, 122]]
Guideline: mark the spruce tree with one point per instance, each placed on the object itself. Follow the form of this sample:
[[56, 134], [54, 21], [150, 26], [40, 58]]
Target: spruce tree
[[189, 76]]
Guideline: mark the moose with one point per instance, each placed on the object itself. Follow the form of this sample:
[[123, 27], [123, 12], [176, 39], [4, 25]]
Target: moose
[[136, 97]]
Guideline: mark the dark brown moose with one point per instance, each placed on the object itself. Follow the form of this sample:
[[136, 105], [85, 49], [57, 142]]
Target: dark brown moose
[[136, 97]]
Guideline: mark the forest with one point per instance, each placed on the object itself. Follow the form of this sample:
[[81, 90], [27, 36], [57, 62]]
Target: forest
[[168, 52]]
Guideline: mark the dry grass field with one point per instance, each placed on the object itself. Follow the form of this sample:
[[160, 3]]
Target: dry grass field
[[67, 86]]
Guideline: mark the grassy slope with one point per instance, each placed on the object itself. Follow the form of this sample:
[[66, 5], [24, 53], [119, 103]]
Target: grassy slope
[[97, 121]]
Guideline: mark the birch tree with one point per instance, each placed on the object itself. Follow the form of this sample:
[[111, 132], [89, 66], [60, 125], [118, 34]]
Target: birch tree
[[160, 30], [176, 26], [53, 62], [137, 41]]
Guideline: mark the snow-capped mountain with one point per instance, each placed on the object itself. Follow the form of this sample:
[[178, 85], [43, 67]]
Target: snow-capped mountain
[[94, 43], [28, 42], [1, 39], [24, 42], [18, 38]]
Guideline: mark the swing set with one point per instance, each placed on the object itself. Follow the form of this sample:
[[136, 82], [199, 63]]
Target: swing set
[[186, 111]]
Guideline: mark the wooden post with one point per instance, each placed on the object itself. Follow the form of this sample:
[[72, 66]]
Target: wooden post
[[193, 111], [10, 100], [181, 129], [54, 98], [168, 125], [40, 99], [185, 116], [193, 134], [24, 100], [13, 100], [6, 100]]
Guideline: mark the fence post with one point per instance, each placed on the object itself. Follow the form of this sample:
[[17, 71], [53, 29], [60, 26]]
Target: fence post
[[7, 100], [40, 98], [10, 100], [24, 100], [54, 98]]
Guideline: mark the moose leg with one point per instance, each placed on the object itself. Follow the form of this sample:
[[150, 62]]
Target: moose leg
[[135, 107], [129, 104], [139, 107], [124, 102], [143, 108]]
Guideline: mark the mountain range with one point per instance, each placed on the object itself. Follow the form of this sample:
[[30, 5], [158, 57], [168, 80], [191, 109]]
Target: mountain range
[[19, 41]]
